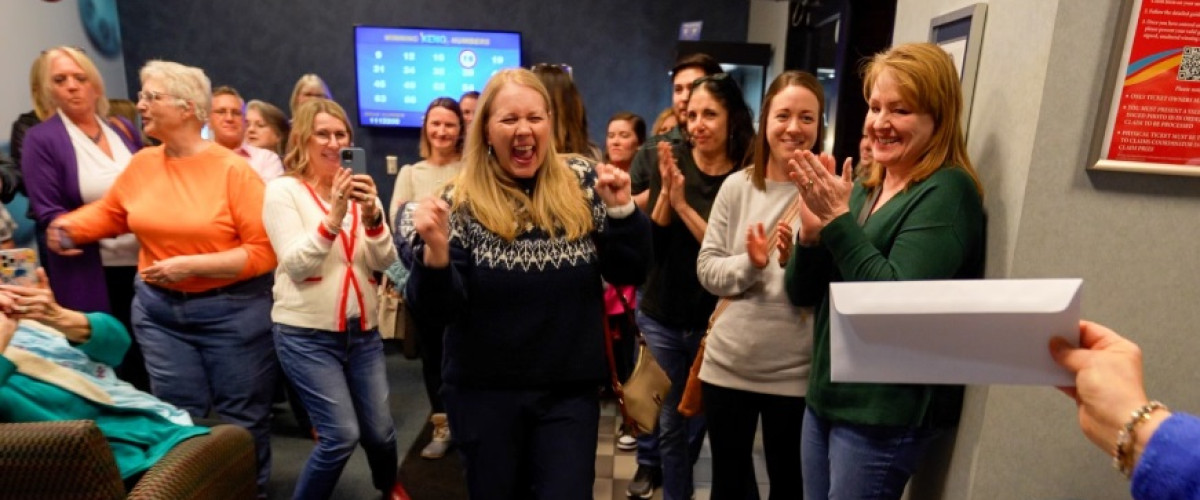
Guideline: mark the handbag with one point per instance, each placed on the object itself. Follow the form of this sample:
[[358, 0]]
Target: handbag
[[691, 403], [641, 396], [392, 324]]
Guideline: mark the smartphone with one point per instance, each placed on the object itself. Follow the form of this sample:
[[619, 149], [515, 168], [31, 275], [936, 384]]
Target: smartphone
[[18, 266], [355, 159]]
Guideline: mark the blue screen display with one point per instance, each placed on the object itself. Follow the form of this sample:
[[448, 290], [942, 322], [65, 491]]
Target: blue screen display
[[401, 70]]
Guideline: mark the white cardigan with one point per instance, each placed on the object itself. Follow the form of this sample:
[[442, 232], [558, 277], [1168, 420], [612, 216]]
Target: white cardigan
[[316, 285]]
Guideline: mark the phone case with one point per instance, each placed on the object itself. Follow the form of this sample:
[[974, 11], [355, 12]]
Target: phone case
[[355, 159], [18, 266]]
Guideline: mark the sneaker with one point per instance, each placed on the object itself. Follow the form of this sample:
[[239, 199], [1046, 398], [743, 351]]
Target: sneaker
[[645, 481], [626, 441], [440, 444]]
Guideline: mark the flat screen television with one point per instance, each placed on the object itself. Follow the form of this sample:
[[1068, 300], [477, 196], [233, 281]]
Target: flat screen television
[[401, 70]]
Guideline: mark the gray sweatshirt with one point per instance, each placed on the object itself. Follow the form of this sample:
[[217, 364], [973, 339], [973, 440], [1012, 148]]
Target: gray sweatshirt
[[761, 342]]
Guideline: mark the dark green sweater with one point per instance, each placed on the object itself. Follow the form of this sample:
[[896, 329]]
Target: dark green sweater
[[932, 230]]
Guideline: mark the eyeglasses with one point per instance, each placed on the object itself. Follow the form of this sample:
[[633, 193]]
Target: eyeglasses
[[231, 112], [566, 68], [324, 137], [152, 95]]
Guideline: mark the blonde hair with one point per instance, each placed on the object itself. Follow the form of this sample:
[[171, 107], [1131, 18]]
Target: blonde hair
[[306, 81], [296, 162], [483, 188], [184, 83], [41, 108], [89, 69], [667, 114], [928, 81]]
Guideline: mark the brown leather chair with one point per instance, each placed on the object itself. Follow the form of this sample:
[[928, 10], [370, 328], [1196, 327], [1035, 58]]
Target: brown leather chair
[[70, 459]]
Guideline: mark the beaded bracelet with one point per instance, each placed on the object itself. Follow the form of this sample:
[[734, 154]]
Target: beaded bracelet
[[1123, 461]]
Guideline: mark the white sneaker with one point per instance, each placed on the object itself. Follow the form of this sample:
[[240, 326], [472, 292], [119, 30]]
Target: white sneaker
[[440, 444], [626, 442]]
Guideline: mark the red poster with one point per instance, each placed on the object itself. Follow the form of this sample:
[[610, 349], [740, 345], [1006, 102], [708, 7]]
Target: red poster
[[1158, 114]]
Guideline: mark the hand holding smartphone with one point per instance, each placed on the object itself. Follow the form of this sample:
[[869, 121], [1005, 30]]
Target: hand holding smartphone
[[355, 159]]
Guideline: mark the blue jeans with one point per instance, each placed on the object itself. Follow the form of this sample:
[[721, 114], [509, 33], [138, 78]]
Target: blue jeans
[[342, 381], [212, 353], [526, 444], [679, 438], [860, 462]]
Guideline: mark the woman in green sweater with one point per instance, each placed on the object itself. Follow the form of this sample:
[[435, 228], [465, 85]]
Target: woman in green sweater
[[917, 214], [56, 364]]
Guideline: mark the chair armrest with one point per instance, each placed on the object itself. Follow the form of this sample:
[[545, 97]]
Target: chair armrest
[[57, 460], [220, 465]]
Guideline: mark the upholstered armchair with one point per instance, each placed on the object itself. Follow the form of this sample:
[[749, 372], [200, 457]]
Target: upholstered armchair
[[70, 459]]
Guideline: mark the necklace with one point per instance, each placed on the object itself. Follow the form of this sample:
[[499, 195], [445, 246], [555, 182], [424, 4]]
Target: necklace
[[99, 134]]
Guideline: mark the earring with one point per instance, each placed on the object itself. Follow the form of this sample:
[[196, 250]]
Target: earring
[[490, 152]]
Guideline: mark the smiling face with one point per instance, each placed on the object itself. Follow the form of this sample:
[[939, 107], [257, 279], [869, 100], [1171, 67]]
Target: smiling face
[[442, 130], [518, 130], [328, 136], [681, 90], [707, 123], [226, 121], [621, 142], [258, 133], [898, 132], [792, 123], [70, 87]]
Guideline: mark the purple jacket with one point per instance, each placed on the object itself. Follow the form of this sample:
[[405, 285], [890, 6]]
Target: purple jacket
[[52, 182]]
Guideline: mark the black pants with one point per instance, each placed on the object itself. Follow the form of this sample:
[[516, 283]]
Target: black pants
[[526, 444], [432, 340], [118, 282], [732, 420]]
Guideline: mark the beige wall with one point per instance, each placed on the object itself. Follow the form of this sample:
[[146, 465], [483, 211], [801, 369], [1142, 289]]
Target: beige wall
[[1128, 236]]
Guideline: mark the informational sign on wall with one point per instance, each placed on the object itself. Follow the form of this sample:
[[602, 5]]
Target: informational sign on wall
[[1153, 124]]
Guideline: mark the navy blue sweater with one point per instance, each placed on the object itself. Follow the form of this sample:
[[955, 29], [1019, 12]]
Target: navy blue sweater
[[527, 314]]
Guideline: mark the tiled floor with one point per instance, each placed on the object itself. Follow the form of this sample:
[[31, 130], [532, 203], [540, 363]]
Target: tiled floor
[[615, 468]]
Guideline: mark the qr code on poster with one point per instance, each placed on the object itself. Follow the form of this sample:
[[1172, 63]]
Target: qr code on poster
[[1189, 67]]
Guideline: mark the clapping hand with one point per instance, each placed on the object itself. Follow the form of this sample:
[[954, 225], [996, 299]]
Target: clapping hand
[[826, 196]]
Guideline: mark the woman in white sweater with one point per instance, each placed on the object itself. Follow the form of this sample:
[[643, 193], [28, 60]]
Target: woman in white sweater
[[326, 225], [758, 352]]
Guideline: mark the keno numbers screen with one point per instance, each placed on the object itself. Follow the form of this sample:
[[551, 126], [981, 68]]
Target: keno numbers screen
[[401, 70]]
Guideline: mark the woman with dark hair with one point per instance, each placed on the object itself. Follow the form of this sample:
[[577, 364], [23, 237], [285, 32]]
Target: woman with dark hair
[[441, 150], [675, 308], [569, 113], [626, 133], [917, 214], [758, 351]]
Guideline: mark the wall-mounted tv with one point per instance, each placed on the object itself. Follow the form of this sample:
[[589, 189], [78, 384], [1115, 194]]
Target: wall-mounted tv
[[401, 70]]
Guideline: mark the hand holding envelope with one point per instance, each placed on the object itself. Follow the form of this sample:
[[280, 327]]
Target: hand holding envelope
[[952, 332]]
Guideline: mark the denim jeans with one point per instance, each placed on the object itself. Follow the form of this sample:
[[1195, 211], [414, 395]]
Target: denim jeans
[[526, 444], [212, 353], [860, 462], [679, 438], [342, 381]]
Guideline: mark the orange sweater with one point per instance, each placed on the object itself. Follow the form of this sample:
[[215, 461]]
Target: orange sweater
[[206, 203]]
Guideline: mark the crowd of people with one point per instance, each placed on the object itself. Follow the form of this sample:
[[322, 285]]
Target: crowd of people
[[516, 242]]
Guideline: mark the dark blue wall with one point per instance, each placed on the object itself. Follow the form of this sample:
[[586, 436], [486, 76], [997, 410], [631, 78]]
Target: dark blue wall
[[620, 50]]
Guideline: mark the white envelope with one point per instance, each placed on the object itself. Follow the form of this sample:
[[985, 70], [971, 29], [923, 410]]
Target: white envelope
[[952, 332]]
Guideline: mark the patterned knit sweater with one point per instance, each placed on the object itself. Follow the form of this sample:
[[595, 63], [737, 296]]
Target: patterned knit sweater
[[527, 314]]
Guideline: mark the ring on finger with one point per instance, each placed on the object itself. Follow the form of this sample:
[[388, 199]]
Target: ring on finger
[[809, 185]]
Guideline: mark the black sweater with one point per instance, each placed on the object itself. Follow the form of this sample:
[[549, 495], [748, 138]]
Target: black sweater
[[527, 314]]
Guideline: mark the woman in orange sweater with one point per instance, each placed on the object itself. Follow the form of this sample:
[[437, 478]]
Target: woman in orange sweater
[[202, 302]]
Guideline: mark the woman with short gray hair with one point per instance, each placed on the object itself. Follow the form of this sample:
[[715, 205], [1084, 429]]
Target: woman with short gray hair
[[202, 301]]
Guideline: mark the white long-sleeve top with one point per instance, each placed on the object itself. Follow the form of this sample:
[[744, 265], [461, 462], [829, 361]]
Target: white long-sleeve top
[[761, 342], [323, 279]]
